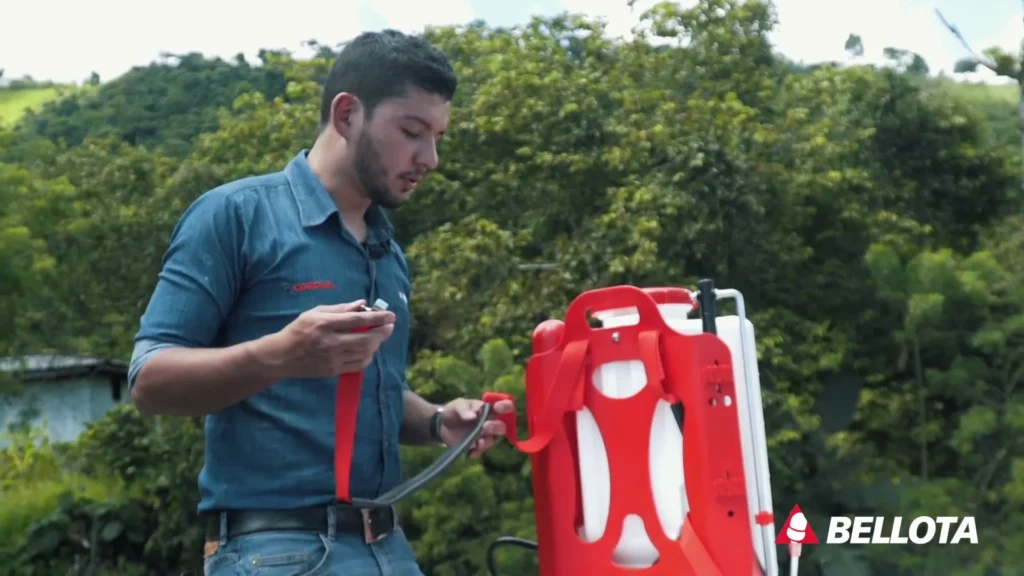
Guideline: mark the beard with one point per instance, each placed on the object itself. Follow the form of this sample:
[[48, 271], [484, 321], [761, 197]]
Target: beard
[[371, 175]]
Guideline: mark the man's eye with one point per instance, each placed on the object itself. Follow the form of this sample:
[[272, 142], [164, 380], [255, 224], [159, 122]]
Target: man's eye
[[410, 133]]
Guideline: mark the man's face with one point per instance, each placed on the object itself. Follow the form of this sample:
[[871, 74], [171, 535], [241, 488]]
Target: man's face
[[398, 146]]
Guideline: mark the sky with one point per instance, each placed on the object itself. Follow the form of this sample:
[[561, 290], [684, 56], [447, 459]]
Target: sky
[[66, 40]]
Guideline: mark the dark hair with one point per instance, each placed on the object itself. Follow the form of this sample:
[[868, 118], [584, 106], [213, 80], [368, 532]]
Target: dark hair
[[376, 66]]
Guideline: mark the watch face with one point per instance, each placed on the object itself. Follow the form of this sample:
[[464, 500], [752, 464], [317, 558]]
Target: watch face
[[435, 424]]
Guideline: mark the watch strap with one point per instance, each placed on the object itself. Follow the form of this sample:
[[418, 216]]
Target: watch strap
[[435, 425]]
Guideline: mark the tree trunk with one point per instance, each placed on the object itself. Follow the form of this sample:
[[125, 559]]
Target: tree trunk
[[922, 405]]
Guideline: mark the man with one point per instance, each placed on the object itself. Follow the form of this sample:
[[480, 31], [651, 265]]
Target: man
[[253, 319]]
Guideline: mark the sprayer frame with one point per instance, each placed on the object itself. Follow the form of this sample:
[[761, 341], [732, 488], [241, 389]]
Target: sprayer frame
[[707, 297], [752, 387]]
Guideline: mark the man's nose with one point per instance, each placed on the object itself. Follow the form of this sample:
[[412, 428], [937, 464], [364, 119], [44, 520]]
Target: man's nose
[[427, 157]]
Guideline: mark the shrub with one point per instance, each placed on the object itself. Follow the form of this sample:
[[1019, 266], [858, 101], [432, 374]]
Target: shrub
[[120, 500]]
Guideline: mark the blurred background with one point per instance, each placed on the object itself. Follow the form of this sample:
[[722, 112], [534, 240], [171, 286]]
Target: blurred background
[[853, 167]]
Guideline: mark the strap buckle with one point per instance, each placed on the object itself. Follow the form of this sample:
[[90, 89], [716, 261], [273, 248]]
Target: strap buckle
[[375, 524]]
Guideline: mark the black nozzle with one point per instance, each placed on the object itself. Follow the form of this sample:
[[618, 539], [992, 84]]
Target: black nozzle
[[706, 299]]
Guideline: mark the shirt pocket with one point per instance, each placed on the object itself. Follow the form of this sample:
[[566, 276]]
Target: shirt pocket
[[281, 293]]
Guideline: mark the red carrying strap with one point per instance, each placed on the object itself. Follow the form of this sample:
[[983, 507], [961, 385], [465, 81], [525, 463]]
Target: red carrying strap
[[650, 355], [696, 554], [346, 411], [566, 392]]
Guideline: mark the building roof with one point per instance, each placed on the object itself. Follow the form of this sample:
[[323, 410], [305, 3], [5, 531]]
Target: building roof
[[57, 366]]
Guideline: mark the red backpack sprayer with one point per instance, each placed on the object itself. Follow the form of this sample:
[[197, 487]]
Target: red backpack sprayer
[[646, 437]]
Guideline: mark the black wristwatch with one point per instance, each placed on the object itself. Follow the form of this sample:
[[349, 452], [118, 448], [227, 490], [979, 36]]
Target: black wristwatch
[[435, 426]]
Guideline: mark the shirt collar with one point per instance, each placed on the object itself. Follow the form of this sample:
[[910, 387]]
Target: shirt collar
[[316, 205]]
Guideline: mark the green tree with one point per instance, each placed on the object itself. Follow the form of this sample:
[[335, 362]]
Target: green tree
[[854, 45], [999, 62]]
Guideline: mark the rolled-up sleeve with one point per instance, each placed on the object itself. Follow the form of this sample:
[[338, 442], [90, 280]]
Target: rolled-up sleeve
[[198, 283]]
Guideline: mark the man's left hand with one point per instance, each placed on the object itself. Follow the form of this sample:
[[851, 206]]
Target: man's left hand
[[460, 417]]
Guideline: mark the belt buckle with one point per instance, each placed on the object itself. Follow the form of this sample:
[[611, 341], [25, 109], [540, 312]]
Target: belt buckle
[[369, 532]]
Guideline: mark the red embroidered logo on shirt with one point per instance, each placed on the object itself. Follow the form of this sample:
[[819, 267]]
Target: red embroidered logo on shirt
[[307, 286]]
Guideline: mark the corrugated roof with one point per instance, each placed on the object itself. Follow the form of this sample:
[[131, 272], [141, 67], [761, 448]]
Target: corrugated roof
[[53, 366]]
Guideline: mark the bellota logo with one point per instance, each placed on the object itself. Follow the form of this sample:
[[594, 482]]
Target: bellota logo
[[796, 530], [867, 530], [872, 530]]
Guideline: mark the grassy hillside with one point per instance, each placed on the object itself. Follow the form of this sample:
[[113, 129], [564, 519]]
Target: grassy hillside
[[14, 102], [997, 104], [1005, 93], [163, 105], [149, 106]]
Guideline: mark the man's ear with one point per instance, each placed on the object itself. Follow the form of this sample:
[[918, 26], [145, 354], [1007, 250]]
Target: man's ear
[[344, 113]]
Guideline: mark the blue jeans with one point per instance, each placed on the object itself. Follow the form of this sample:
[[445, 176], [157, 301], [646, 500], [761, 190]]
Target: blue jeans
[[312, 554]]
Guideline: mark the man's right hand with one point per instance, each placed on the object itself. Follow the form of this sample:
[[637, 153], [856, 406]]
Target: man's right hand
[[323, 342]]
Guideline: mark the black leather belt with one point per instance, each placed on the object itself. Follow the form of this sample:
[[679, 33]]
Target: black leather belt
[[371, 523]]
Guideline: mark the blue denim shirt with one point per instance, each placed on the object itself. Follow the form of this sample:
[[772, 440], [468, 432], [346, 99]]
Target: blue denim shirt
[[245, 260]]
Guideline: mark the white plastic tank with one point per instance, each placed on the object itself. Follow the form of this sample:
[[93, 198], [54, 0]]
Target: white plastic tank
[[626, 378], [740, 340]]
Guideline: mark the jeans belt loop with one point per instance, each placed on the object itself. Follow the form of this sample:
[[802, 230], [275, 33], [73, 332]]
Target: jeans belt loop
[[332, 522], [223, 528]]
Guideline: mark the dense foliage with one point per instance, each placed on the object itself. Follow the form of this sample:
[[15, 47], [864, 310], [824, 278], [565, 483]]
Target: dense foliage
[[168, 104], [872, 218]]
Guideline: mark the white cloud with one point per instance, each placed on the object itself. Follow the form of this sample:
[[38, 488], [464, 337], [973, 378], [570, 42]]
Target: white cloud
[[411, 16], [816, 30], [64, 40], [813, 30], [617, 14], [1010, 36], [1009, 39]]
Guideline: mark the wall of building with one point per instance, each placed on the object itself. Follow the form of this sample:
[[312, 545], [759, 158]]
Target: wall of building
[[65, 407]]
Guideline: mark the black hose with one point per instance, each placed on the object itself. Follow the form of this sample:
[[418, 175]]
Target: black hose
[[428, 474], [506, 541]]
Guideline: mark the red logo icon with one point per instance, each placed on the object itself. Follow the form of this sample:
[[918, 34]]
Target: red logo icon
[[796, 530], [307, 286]]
